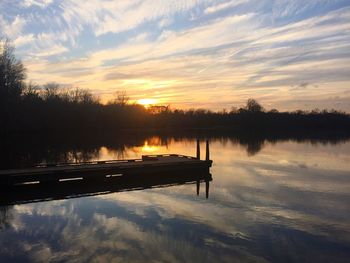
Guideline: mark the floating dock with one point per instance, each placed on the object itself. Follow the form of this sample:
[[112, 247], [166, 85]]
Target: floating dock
[[165, 164]]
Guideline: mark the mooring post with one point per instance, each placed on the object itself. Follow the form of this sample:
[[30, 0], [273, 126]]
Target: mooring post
[[207, 155], [198, 186], [207, 188], [198, 150]]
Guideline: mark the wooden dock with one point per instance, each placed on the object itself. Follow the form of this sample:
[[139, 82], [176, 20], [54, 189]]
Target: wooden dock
[[149, 164], [46, 182]]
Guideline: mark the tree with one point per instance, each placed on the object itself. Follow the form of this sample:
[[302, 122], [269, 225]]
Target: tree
[[274, 111], [12, 74], [81, 96], [30, 92], [51, 91], [254, 106], [121, 98]]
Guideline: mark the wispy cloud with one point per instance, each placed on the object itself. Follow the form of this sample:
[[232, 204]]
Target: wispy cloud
[[118, 16], [223, 6], [40, 3], [12, 28]]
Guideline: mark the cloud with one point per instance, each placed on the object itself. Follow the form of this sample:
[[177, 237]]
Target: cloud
[[118, 75], [51, 51], [12, 29], [223, 6], [39, 3], [24, 40], [118, 16], [155, 48]]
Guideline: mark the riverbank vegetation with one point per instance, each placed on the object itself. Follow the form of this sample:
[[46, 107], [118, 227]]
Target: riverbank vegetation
[[26, 108]]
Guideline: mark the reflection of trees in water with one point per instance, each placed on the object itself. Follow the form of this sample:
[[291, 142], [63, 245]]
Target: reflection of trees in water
[[253, 147], [29, 155], [120, 153], [26, 152], [71, 156], [6, 216], [254, 143]]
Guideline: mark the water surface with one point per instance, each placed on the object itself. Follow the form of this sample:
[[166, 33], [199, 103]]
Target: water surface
[[283, 201]]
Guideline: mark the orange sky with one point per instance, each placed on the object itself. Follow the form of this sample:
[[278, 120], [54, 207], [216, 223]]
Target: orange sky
[[213, 54]]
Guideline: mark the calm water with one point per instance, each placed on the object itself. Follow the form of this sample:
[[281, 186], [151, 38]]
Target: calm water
[[276, 202]]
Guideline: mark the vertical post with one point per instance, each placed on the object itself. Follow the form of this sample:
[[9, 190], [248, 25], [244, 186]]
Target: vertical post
[[207, 188], [198, 150], [207, 156], [198, 185]]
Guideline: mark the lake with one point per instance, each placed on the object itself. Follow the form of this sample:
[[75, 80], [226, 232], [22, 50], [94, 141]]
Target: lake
[[269, 201]]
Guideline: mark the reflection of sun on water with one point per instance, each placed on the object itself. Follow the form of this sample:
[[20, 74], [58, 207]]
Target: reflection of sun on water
[[147, 102], [149, 148]]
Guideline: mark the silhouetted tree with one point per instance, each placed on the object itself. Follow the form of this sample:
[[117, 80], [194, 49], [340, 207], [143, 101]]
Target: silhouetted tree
[[273, 111], [12, 74], [121, 98], [30, 91], [81, 96], [253, 106], [50, 91]]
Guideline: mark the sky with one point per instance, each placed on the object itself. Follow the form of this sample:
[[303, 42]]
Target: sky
[[211, 54]]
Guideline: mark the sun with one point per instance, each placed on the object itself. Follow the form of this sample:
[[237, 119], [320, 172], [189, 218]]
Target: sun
[[146, 102]]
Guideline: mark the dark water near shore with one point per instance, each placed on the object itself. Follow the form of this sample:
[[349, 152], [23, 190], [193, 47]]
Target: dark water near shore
[[269, 201]]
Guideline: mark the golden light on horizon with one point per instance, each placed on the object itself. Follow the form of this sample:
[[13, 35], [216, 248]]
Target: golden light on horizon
[[146, 102]]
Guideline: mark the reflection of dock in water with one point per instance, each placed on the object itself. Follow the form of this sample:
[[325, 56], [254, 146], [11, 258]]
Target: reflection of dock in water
[[64, 180], [27, 193]]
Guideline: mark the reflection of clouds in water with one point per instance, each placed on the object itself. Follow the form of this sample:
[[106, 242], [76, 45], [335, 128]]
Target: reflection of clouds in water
[[172, 207], [102, 236], [313, 198], [258, 205]]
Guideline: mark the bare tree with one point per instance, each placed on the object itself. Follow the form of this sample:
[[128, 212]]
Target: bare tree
[[30, 91], [254, 106], [12, 73], [81, 96], [50, 91], [121, 98]]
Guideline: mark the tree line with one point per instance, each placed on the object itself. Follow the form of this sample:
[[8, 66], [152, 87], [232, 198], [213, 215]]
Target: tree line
[[26, 108]]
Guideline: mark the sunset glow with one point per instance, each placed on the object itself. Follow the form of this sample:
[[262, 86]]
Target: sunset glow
[[286, 54], [147, 102]]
